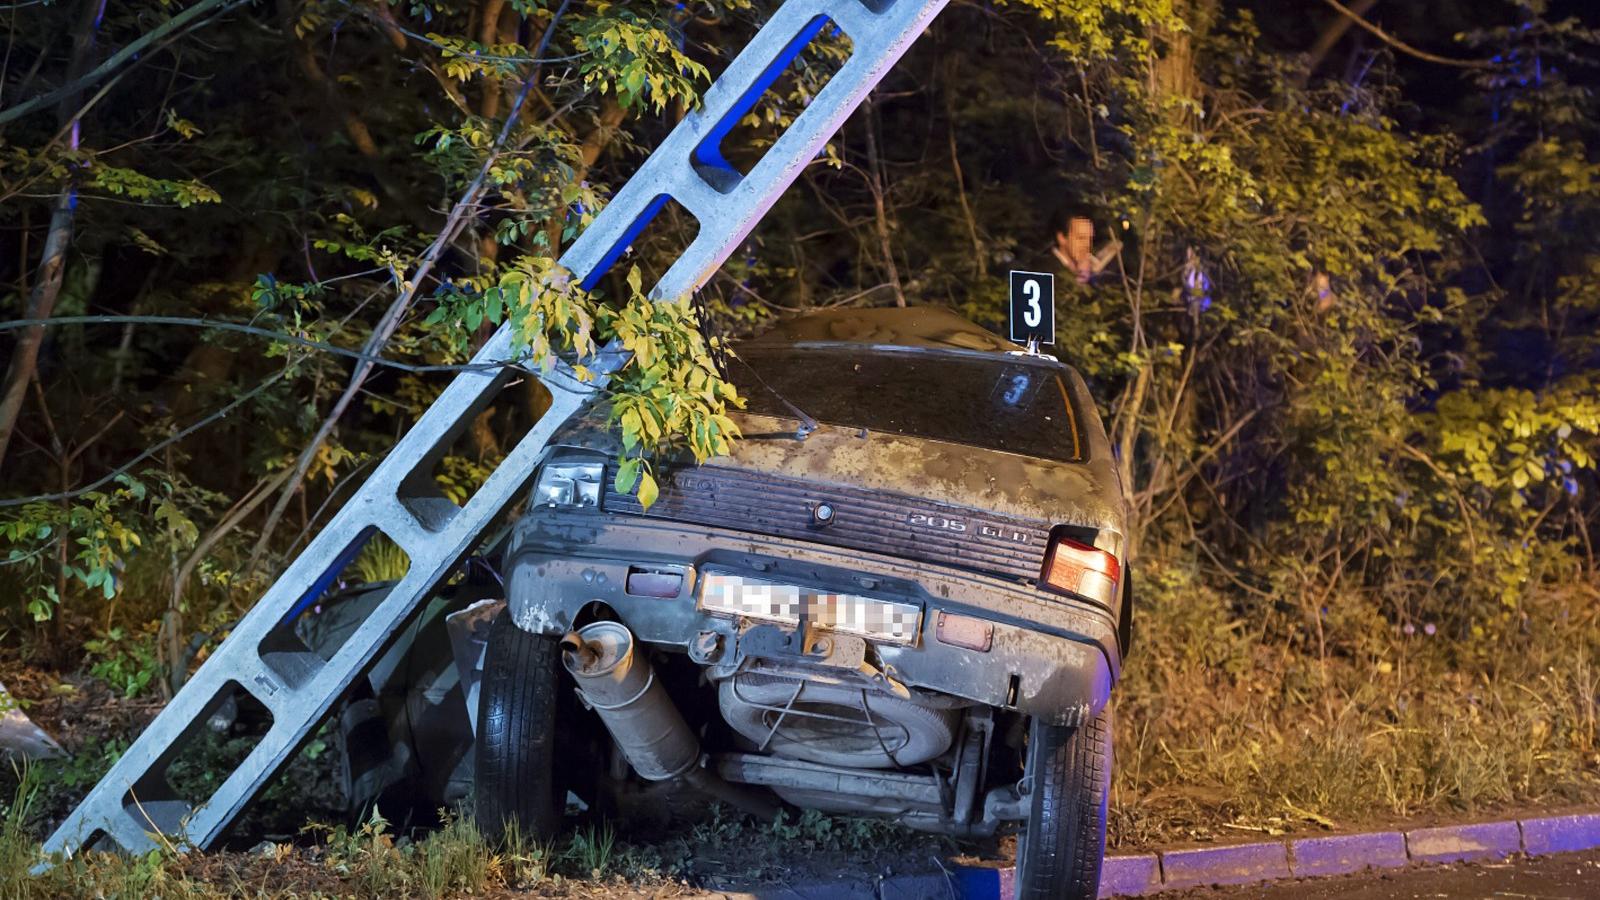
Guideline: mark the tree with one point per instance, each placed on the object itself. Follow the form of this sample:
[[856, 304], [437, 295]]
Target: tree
[[1298, 346]]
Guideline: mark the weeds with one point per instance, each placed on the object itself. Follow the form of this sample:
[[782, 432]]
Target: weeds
[[522, 861], [454, 858], [590, 850], [127, 662], [367, 856], [1218, 725], [720, 830], [17, 848], [82, 769], [816, 831], [381, 560]]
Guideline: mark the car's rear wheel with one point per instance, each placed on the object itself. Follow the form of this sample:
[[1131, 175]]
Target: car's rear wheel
[[515, 776], [1069, 775]]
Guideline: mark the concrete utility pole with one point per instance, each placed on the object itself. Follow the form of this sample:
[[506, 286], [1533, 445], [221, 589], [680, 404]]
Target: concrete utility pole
[[262, 661]]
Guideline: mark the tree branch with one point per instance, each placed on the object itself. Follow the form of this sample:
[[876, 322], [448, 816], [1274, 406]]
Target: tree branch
[[121, 56], [1336, 30], [1404, 47], [876, 184], [58, 239]]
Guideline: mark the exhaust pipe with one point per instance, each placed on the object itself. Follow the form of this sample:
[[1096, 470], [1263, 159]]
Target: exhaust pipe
[[621, 687]]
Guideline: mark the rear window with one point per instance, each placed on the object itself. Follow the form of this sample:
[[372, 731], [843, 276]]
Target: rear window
[[1018, 407]]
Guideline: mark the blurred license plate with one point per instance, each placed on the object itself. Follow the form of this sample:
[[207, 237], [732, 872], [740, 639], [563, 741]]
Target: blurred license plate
[[878, 620]]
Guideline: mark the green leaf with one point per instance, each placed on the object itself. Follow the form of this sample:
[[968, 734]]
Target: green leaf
[[627, 475]]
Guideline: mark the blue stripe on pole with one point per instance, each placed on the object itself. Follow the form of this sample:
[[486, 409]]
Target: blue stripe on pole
[[318, 587], [624, 242], [708, 152]]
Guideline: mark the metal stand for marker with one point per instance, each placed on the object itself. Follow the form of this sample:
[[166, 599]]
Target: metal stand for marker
[[262, 659]]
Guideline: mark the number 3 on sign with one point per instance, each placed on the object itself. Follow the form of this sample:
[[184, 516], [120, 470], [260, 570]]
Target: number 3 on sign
[[1033, 307]]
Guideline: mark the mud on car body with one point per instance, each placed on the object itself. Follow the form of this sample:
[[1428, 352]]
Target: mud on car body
[[903, 594]]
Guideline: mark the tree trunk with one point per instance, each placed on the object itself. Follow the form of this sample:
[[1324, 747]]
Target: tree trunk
[[607, 127], [339, 107], [877, 184], [1149, 400], [41, 303], [1173, 72], [52, 265], [489, 35]]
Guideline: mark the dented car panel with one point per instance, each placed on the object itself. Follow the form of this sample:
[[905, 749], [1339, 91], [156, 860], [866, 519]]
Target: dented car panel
[[874, 602], [1045, 657]]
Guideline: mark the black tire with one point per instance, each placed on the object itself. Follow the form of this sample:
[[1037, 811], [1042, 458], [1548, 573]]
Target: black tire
[[515, 778], [1069, 771]]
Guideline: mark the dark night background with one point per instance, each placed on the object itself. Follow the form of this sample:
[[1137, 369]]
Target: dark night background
[[1347, 351]]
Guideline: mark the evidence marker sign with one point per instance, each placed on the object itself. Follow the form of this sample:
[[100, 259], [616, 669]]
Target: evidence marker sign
[[1033, 307]]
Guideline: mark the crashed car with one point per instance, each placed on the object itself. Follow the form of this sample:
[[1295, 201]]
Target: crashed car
[[903, 594]]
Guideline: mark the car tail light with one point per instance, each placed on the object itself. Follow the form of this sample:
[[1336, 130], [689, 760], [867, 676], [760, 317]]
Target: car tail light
[[1082, 570]]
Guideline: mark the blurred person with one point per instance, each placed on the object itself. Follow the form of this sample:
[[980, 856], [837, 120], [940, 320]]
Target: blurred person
[[1072, 244]]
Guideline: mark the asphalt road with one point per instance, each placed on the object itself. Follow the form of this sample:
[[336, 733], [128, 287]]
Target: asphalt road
[[1573, 876]]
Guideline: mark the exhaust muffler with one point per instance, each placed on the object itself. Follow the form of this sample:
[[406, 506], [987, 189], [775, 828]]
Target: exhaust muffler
[[621, 687]]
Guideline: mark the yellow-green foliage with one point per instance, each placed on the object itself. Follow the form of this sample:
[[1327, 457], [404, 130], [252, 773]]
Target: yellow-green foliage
[[1361, 564], [667, 393], [1088, 31], [94, 534]]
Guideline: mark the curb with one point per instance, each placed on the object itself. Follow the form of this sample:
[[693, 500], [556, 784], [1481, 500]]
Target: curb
[[1340, 854], [1344, 854]]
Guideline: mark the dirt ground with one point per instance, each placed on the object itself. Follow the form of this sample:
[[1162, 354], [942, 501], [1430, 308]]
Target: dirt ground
[[75, 709]]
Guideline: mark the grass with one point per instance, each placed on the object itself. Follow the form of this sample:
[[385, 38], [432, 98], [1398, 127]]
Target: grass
[[1224, 726], [591, 849], [17, 847], [523, 860], [369, 861], [1220, 729]]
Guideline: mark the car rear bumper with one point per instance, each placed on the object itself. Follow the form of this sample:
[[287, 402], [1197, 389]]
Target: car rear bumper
[[1047, 656]]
